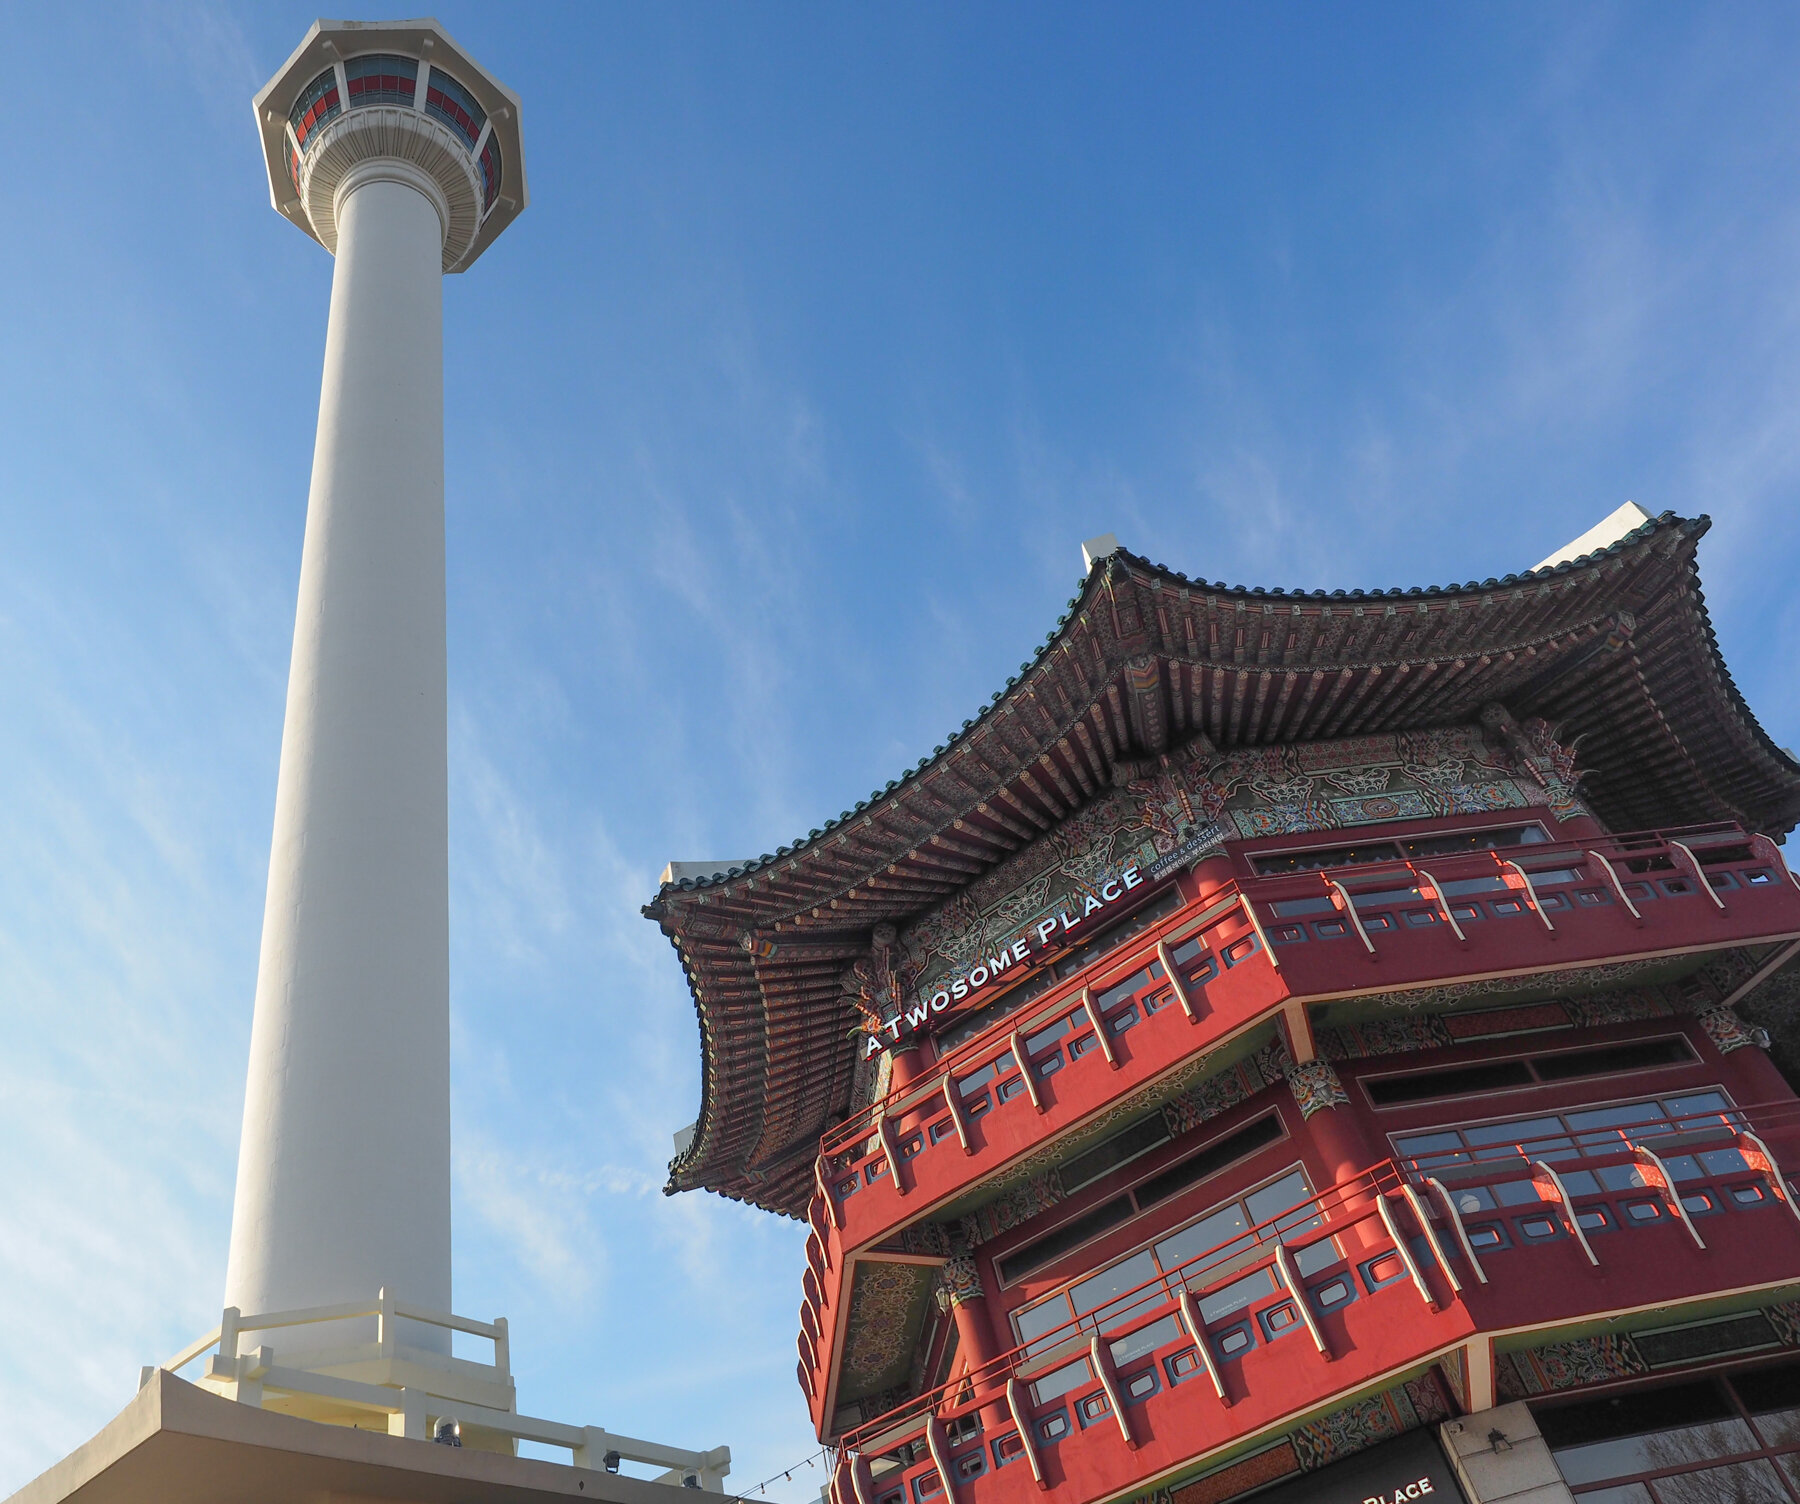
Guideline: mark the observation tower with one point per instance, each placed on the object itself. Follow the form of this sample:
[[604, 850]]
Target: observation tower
[[1311, 1047], [399, 154]]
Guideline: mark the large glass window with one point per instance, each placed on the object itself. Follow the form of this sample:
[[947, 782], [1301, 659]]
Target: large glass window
[[1590, 1130], [1563, 1138], [1694, 1442], [1193, 1256]]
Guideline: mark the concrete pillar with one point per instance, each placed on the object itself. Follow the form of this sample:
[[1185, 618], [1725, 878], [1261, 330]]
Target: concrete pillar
[[1500, 1458], [344, 1164]]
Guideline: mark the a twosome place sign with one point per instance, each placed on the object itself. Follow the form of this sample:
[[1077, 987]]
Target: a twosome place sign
[[1003, 965], [1208, 838]]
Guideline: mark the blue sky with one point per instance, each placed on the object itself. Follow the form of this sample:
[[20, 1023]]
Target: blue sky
[[774, 427]]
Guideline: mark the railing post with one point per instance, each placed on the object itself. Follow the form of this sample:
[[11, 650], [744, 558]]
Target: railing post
[[892, 1150], [1404, 1249], [953, 1100], [1700, 876], [385, 1322], [862, 1480], [1177, 982], [1666, 1184], [832, 1211], [1617, 886], [1190, 1316], [1348, 904], [1762, 1158], [1101, 1352], [1456, 1222], [1423, 1217], [502, 1347], [714, 1465], [224, 1363], [1290, 1276], [1443, 903], [408, 1418], [1026, 1074], [940, 1457], [1015, 1402], [1561, 1196], [1092, 1009], [1531, 897], [1263, 940]]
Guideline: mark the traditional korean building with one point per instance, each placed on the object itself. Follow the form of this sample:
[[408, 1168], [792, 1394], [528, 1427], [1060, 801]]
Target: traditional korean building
[[1311, 1045]]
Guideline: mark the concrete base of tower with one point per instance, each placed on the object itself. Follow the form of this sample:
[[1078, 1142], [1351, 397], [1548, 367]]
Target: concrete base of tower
[[177, 1444], [1500, 1458]]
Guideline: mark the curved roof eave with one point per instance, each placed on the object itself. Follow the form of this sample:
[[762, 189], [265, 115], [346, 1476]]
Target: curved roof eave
[[1671, 736]]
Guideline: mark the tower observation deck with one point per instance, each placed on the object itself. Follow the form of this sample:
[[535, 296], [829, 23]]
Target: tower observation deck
[[1291, 1045]]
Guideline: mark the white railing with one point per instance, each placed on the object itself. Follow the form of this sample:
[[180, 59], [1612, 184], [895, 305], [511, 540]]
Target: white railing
[[413, 1409]]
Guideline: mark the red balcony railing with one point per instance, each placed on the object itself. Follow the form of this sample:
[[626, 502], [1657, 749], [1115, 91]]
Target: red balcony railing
[[1121, 1022], [1554, 905], [1238, 1339]]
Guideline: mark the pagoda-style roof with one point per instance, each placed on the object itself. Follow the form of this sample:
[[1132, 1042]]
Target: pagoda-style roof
[[1615, 649]]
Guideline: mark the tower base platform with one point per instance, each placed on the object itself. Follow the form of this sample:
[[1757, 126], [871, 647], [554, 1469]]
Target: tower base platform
[[176, 1443]]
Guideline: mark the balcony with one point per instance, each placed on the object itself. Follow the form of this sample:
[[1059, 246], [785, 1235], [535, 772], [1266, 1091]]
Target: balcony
[[1125, 1394], [1268, 943], [1528, 908]]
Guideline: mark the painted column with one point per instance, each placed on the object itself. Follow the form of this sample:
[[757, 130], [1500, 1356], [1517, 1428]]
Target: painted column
[[344, 1168], [963, 1292]]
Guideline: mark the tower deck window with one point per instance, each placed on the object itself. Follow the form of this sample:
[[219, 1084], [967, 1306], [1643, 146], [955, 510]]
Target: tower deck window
[[382, 78], [318, 102], [451, 103], [490, 174]]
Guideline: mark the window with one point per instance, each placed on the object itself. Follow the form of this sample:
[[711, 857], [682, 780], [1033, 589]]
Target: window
[[1733, 1438], [1504, 1075], [317, 103], [1084, 1169], [1416, 848], [1071, 1234], [1210, 1160], [1123, 1147], [1130, 1288], [1566, 1135], [382, 78], [451, 103]]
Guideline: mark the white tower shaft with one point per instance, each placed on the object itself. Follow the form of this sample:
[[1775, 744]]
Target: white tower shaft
[[344, 1168]]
